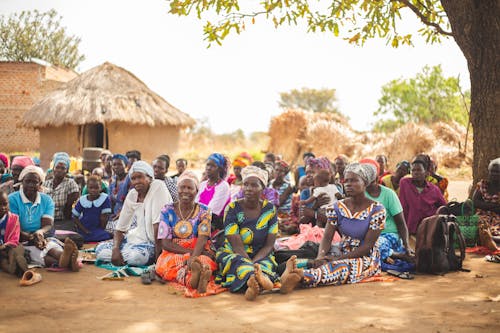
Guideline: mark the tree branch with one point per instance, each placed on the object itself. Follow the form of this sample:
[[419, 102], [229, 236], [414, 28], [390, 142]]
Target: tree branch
[[423, 18]]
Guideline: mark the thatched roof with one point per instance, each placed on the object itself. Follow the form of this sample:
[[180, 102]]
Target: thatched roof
[[104, 94]]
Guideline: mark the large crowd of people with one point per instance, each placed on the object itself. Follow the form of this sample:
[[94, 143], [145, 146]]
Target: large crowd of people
[[224, 227]]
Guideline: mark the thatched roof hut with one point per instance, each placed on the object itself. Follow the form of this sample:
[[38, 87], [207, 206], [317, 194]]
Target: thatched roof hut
[[108, 107]]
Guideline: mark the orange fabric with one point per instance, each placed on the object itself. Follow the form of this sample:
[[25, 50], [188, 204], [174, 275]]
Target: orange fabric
[[379, 278], [481, 250], [172, 266]]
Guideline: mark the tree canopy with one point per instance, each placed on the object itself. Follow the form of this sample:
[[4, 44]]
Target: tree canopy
[[314, 100], [426, 98], [355, 20], [34, 34]]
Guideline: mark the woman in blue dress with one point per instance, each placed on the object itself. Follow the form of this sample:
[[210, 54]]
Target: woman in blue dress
[[246, 261], [92, 211]]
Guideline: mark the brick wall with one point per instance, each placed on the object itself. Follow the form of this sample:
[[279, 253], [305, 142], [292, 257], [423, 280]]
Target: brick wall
[[22, 85]]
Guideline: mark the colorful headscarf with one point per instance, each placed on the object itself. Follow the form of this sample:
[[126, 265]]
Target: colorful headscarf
[[283, 164], [32, 169], [253, 171], [4, 159], [371, 162], [143, 167], [242, 160], [22, 161], [188, 174], [121, 157], [320, 163], [221, 161], [367, 172], [61, 157], [36, 160]]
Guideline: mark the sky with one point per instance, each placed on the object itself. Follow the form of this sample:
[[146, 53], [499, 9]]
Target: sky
[[237, 85]]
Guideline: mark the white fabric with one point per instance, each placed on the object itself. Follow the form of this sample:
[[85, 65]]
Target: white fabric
[[37, 256], [330, 190], [146, 213]]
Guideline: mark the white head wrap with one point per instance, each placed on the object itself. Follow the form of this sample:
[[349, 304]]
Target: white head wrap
[[32, 169], [367, 172], [253, 171], [188, 174], [496, 161], [143, 167]]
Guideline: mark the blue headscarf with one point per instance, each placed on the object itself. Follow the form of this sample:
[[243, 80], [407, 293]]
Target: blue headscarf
[[221, 162], [121, 157], [62, 157]]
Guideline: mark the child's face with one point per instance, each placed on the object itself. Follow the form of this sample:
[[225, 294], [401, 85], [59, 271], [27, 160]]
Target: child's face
[[4, 204], [320, 180], [93, 188]]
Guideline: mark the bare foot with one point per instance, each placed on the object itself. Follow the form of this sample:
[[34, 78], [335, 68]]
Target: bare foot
[[262, 279], [291, 276], [253, 289], [205, 275], [73, 262], [65, 258], [195, 273]]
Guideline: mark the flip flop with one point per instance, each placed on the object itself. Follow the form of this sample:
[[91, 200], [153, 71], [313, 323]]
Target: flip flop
[[29, 278], [493, 258], [401, 275]]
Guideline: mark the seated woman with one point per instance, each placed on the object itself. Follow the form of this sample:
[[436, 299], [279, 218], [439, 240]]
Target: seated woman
[[184, 230], [17, 165], [36, 215], [63, 191], [235, 181], [393, 241], [137, 246], [4, 169], [392, 180], [92, 212], [215, 192], [437, 179], [419, 198], [12, 258], [246, 261], [360, 221], [119, 184], [487, 201]]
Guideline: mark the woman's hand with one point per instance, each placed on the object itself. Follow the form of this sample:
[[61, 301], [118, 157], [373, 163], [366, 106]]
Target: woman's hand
[[117, 258], [39, 240]]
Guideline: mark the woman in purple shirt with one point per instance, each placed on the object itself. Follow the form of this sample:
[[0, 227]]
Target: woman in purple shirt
[[419, 198], [359, 220]]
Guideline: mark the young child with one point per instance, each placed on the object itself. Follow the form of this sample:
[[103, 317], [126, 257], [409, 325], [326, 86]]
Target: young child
[[322, 185], [11, 251], [92, 212]]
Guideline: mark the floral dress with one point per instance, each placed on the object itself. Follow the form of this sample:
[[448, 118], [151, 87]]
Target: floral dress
[[353, 228], [172, 266], [489, 217], [234, 269]]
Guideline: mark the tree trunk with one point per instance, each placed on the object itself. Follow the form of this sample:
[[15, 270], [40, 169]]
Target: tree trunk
[[476, 29]]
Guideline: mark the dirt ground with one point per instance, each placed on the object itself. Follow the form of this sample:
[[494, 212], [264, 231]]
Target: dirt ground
[[78, 302]]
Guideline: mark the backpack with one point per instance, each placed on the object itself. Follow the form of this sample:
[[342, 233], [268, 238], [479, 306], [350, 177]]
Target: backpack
[[435, 249]]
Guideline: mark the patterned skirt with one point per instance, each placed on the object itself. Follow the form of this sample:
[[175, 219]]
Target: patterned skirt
[[235, 270], [344, 271], [173, 266]]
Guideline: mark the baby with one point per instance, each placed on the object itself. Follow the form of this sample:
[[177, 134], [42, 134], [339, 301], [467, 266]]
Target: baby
[[322, 185]]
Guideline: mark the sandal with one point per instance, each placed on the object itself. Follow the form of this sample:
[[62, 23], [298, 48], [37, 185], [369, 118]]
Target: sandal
[[146, 277], [493, 258], [401, 275], [29, 278]]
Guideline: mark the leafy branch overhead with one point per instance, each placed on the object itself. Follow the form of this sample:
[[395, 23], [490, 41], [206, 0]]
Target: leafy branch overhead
[[354, 20], [34, 34]]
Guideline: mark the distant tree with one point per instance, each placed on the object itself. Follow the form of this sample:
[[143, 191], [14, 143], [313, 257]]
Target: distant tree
[[315, 100], [34, 34], [426, 98]]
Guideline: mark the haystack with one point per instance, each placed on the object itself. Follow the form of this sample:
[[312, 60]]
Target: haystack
[[107, 107], [294, 132]]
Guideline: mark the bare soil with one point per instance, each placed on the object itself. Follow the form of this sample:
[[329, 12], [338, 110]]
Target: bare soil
[[79, 302]]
